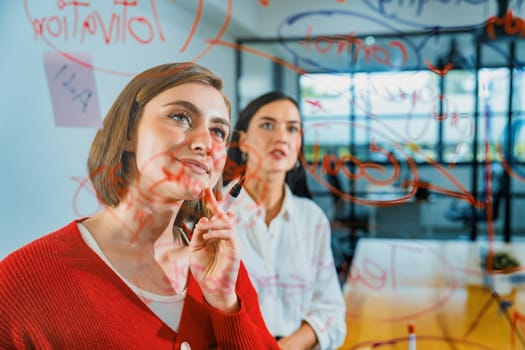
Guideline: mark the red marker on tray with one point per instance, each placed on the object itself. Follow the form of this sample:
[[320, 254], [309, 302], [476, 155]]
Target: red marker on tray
[[411, 337]]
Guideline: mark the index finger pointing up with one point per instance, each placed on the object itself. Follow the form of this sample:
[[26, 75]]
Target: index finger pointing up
[[211, 202]]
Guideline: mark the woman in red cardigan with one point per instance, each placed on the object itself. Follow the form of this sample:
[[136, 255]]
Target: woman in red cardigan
[[128, 277]]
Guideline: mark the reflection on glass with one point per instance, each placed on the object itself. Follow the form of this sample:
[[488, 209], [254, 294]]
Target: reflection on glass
[[518, 101], [493, 106], [390, 93], [493, 90], [394, 110], [400, 112], [458, 126], [459, 91], [325, 95], [518, 149]]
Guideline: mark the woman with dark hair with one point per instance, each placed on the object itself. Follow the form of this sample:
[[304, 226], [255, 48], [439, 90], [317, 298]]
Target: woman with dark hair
[[235, 165], [285, 235], [128, 277]]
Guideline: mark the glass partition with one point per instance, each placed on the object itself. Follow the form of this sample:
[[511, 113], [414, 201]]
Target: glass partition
[[428, 114]]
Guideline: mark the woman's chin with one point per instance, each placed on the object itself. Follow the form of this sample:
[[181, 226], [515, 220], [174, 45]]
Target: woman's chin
[[174, 192], [279, 169], [194, 191]]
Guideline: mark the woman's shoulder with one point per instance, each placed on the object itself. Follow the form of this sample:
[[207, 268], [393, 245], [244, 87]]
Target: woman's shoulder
[[39, 274], [304, 202], [41, 251], [307, 207]]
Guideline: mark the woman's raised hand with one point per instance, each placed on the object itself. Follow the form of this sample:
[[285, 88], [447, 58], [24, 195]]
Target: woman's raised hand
[[215, 256]]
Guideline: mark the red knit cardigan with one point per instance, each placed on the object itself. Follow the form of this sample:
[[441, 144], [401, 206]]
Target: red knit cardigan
[[56, 293]]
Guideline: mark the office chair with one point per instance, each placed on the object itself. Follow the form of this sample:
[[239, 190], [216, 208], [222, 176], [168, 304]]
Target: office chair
[[466, 213]]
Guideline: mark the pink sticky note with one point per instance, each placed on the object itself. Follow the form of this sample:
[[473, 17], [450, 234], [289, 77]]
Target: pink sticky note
[[73, 91]]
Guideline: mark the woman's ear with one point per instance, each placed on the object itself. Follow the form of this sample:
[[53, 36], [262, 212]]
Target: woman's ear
[[242, 141]]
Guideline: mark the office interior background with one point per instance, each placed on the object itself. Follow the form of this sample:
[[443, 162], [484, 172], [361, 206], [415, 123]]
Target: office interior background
[[414, 112]]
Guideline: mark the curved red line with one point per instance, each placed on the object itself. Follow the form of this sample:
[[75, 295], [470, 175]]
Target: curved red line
[[157, 22], [193, 27], [220, 33], [261, 54], [441, 72], [506, 165], [26, 10], [86, 64]]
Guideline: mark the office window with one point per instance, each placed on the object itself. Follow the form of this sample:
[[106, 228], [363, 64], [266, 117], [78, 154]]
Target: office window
[[395, 111], [518, 149], [493, 103], [518, 94], [399, 112], [325, 105], [413, 107], [518, 120], [325, 95], [458, 104], [402, 112]]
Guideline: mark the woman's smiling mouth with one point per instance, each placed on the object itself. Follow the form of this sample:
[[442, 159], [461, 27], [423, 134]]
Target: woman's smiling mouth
[[195, 166]]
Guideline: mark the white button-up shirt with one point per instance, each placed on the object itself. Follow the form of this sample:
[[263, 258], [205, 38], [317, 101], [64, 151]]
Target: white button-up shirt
[[291, 265]]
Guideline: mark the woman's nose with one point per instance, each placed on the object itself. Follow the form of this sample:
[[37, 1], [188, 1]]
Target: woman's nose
[[201, 141], [280, 135]]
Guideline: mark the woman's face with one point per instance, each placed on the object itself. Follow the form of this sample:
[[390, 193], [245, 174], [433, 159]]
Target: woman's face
[[180, 142], [273, 139]]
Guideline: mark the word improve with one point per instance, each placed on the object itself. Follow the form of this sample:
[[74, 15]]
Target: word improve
[[119, 25]]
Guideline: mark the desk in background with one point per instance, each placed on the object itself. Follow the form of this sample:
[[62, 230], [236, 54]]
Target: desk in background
[[436, 286]]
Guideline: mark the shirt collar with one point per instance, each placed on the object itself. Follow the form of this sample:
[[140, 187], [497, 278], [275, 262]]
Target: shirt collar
[[287, 208], [250, 208]]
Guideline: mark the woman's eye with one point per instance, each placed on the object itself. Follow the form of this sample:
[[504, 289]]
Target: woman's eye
[[293, 129], [220, 132], [181, 118], [266, 125]]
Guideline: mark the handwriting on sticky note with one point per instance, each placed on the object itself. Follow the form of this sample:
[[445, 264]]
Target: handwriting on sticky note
[[73, 91]]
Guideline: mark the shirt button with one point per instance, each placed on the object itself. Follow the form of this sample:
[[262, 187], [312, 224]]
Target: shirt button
[[185, 346]]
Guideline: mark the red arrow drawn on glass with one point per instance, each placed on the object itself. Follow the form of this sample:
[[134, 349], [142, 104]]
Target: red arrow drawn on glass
[[440, 72]]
